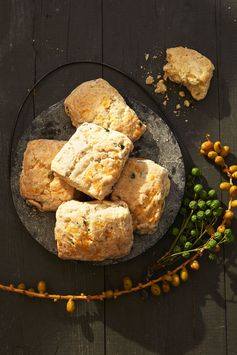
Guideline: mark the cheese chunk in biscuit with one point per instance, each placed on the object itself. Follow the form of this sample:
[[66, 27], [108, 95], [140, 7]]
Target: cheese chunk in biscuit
[[92, 159], [93, 231], [39, 186], [143, 185], [190, 68], [98, 102]]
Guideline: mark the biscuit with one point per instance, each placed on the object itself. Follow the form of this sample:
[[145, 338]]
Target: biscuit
[[143, 185], [98, 102], [92, 159], [93, 231], [190, 68], [39, 186]]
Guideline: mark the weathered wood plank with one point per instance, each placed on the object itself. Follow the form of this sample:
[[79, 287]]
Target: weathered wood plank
[[227, 50], [37, 37], [190, 320]]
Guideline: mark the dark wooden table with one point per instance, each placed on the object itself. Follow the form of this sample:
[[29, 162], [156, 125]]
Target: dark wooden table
[[36, 36]]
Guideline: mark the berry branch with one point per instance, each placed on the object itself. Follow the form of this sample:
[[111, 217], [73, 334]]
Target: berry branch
[[198, 232]]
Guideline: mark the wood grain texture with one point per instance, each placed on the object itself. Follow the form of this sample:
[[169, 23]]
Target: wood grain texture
[[37, 36], [189, 321]]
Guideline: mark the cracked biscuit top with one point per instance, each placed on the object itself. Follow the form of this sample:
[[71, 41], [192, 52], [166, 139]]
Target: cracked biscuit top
[[144, 186], [96, 230], [190, 68], [39, 186], [92, 159], [98, 102]]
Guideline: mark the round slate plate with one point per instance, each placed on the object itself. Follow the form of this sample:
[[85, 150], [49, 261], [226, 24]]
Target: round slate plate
[[158, 144]]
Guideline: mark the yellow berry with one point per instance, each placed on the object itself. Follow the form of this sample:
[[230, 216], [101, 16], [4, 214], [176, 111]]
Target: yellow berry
[[233, 168], [184, 274], [202, 152], [21, 286], [41, 286], [165, 287], [225, 151], [127, 283], [167, 278], [229, 214], [225, 186], [195, 265], [175, 280], [221, 228], [210, 230], [70, 306], [219, 161], [217, 146], [234, 175], [208, 145], [234, 203], [155, 289], [109, 294], [233, 191], [212, 154]]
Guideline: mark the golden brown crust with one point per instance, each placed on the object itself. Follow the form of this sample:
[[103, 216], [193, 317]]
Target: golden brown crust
[[39, 186], [190, 68], [93, 231], [96, 101], [143, 185]]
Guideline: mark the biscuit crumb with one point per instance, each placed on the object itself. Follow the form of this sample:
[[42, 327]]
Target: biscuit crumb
[[160, 87], [186, 103], [181, 93], [149, 80], [154, 57], [147, 55], [178, 107], [165, 103], [158, 76]]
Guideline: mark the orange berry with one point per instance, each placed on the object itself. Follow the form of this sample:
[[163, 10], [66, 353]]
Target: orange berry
[[234, 203], [217, 146], [219, 161], [233, 191], [225, 151], [225, 186], [208, 145], [221, 228], [195, 265], [229, 214], [212, 154], [233, 168]]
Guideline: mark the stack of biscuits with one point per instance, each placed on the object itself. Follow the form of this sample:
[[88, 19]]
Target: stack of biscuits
[[127, 194]]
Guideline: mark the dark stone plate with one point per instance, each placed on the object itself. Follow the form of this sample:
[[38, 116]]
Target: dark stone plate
[[158, 144]]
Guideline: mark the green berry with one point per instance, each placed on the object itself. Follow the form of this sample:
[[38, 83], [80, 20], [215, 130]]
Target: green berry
[[208, 203], [202, 205], [186, 202], [218, 212], [182, 211], [218, 236], [194, 218], [193, 205], [200, 215], [175, 231], [185, 254], [212, 193], [183, 239], [227, 232], [208, 213], [203, 194], [211, 244], [193, 233], [212, 256], [196, 172], [190, 225], [230, 239], [188, 245], [177, 249], [197, 188], [215, 204]]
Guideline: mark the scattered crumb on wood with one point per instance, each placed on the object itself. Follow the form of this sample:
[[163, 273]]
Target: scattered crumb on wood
[[165, 103], [161, 88], [181, 93], [178, 107], [149, 80], [186, 103], [147, 56], [154, 57], [158, 76]]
